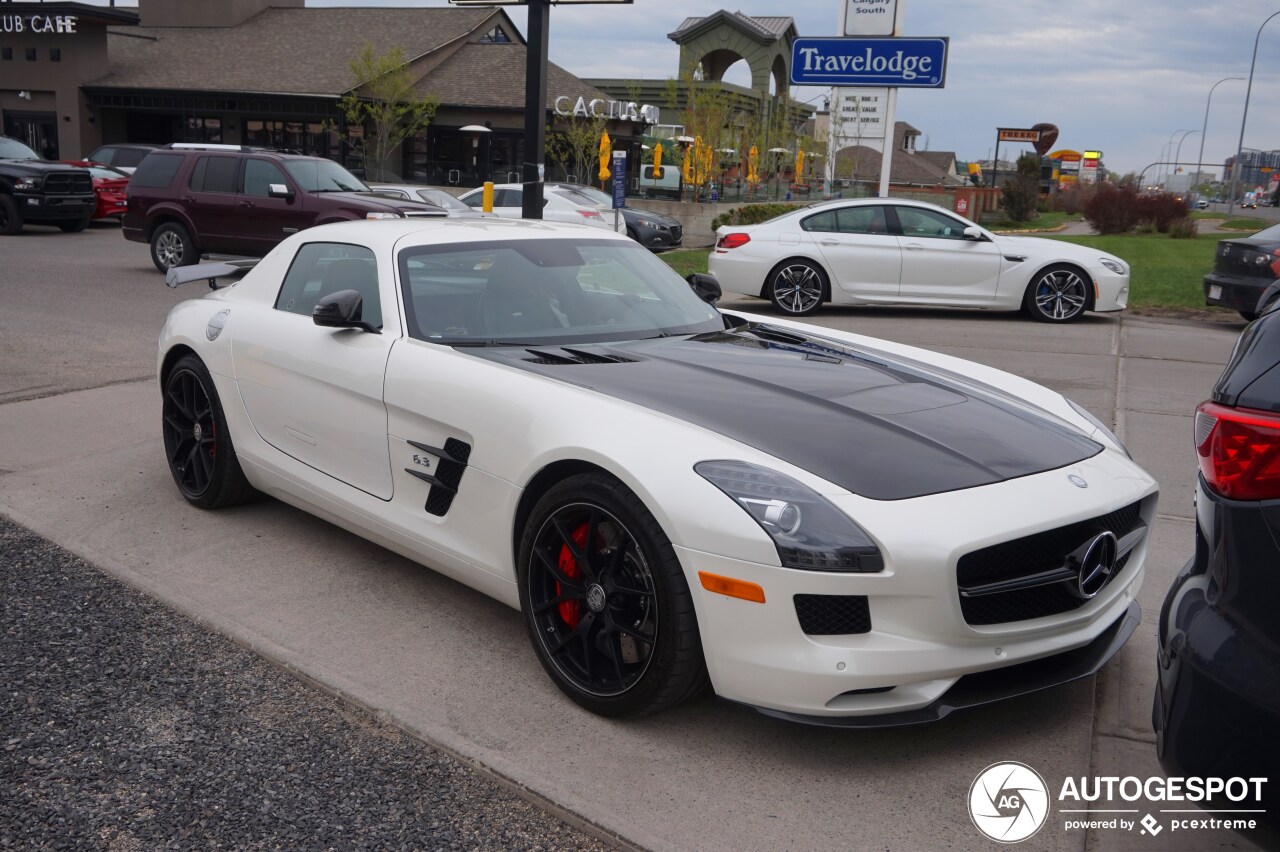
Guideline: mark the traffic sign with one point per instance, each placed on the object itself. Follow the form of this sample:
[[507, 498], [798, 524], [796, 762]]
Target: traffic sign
[[909, 63]]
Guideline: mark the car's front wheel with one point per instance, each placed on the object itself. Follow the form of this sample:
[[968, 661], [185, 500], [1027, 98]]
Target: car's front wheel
[[796, 287], [10, 216], [172, 246], [1057, 294], [197, 442], [605, 600]]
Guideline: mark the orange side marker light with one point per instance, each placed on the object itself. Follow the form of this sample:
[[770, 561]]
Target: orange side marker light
[[731, 588]]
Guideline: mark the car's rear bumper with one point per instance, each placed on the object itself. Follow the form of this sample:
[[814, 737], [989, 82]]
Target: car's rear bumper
[[1233, 291]]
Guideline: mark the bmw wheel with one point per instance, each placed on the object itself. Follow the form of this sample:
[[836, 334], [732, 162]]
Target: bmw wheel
[[171, 246], [1057, 294], [796, 288], [197, 443], [605, 600]]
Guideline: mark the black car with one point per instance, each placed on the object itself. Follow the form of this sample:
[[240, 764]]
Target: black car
[[1242, 269], [36, 190], [1217, 702], [652, 230]]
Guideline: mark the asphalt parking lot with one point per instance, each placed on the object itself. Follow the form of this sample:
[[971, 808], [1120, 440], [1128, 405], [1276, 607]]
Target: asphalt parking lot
[[81, 464]]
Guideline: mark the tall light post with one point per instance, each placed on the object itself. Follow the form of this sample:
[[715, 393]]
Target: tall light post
[[1235, 166], [1164, 156], [1177, 158], [1204, 130]]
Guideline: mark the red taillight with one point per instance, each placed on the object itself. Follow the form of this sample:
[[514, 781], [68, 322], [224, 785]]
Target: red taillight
[[729, 241], [590, 214], [1239, 450]]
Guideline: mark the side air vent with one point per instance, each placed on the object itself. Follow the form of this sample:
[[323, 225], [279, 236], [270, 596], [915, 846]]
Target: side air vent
[[565, 355], [833, 615], [444, 483]]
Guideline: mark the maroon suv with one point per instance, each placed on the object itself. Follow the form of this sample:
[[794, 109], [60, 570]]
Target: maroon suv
[[188, 200]]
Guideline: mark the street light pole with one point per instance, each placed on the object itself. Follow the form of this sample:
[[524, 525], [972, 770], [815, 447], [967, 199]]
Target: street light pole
[[1164, 155], [1235, 166], [1177, 158], [1204, 129]]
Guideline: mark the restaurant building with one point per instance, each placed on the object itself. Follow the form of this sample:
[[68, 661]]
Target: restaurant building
[[270, 73]]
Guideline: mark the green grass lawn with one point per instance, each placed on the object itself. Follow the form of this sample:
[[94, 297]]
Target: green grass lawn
[[1237, 223], [1043, 222], [1166, 273]]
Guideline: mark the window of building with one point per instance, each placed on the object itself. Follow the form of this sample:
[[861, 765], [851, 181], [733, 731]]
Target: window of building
[[55, 54], [200, 129], [495, 36], [320, 269], [6, 53], [31, 54]]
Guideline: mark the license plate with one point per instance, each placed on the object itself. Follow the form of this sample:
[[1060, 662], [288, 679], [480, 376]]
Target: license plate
[[1215, 291]]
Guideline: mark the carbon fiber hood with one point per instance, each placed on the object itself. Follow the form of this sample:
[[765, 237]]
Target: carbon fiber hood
[[880, 428]]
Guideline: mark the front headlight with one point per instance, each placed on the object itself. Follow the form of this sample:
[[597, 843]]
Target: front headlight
[[657, 226], [382, 215], [808, 531], [1117, 268], [1084, 412], [28, 183]]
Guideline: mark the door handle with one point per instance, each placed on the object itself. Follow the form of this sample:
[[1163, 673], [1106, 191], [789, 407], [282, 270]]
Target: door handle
[[913, 247], [829, 242], [246, 203], [188, 199]]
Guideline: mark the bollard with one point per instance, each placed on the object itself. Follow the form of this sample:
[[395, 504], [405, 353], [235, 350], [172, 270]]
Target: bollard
[[486, 203]]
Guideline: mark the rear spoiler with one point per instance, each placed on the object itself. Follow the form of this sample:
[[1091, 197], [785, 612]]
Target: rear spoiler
[[210, 272]]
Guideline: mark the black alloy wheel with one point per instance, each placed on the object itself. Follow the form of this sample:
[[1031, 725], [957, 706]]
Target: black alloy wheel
[[10, 216], [796, 288], [172, 246], [1057, 294], [606, 604], [197, 443]]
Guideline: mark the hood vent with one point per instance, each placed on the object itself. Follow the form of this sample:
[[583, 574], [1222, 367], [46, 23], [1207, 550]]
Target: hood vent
[[564, 355]]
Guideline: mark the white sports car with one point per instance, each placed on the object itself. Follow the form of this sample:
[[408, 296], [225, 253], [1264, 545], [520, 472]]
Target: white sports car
[[895, 251], [823, 526]]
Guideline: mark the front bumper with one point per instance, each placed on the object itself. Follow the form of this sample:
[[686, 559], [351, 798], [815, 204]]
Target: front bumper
[[658, 238], [1233, 291], [38, 207], [1112, 292]]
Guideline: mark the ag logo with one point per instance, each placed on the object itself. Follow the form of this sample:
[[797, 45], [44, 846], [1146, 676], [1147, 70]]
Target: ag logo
[[1008, 802]]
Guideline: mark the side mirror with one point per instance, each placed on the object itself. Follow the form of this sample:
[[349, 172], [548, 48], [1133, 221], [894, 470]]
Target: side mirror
[[973, 233], [707, 287], [341, 310], [279, 190]]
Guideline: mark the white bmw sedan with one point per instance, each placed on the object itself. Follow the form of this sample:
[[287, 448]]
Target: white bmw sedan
[[894, 251], [824, 526], [559, 204]]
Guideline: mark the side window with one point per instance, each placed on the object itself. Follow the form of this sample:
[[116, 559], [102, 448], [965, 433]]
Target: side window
[[156, 170], [214, 174], [511, 198], [823, 222], [862, 220], [918, 222], [475, 199], [320, 269], [258, 177]]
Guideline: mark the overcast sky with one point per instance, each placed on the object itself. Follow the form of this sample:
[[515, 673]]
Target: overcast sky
[[1121, 77]]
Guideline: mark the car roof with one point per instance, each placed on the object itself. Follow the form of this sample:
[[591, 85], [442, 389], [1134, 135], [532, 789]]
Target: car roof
[[395, 234]]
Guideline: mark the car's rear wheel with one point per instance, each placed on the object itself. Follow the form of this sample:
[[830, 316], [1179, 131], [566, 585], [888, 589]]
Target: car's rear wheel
[[605, 600], [172, 246], [10, 216], [197, 442], [796, 287], [1057, 294]]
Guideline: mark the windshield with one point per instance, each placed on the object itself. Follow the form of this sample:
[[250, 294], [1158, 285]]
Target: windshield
[[12, 149], [323, 176], [441, 198], [593, 194], [546, 292]]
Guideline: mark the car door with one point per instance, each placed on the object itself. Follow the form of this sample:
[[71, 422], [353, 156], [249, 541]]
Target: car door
[[940, 265], [861, 254], [263, 221], [315, 393], [210, 201]]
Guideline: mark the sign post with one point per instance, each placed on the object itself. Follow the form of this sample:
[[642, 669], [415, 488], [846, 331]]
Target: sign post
[[619, 185]]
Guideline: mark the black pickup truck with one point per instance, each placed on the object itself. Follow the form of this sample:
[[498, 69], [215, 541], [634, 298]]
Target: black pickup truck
[[35, 190]]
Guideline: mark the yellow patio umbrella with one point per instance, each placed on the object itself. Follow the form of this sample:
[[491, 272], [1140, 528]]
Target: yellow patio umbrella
[[606, 150], [687, 171], [657, 161], [799, 164], [753, 164]]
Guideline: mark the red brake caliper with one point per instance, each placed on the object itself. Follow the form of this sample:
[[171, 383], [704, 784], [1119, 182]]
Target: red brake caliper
[[571, 611]]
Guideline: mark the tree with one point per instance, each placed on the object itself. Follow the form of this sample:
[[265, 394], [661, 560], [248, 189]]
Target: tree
[[707, 115], [1022, 191], [384, 101], [577, 147]]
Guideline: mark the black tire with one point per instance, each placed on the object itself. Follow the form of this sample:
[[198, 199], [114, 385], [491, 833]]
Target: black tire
[[172, 246], [1249, 316], [631, 232], [797, 287], [10, 216], [197, 442], [605, 601], [75, 226], [1057, 294]]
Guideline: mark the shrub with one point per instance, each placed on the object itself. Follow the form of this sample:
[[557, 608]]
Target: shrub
[[752, 214], [1184, 228], [1161, 209], [1072, 200], [1022, 191], [1112, 209]]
